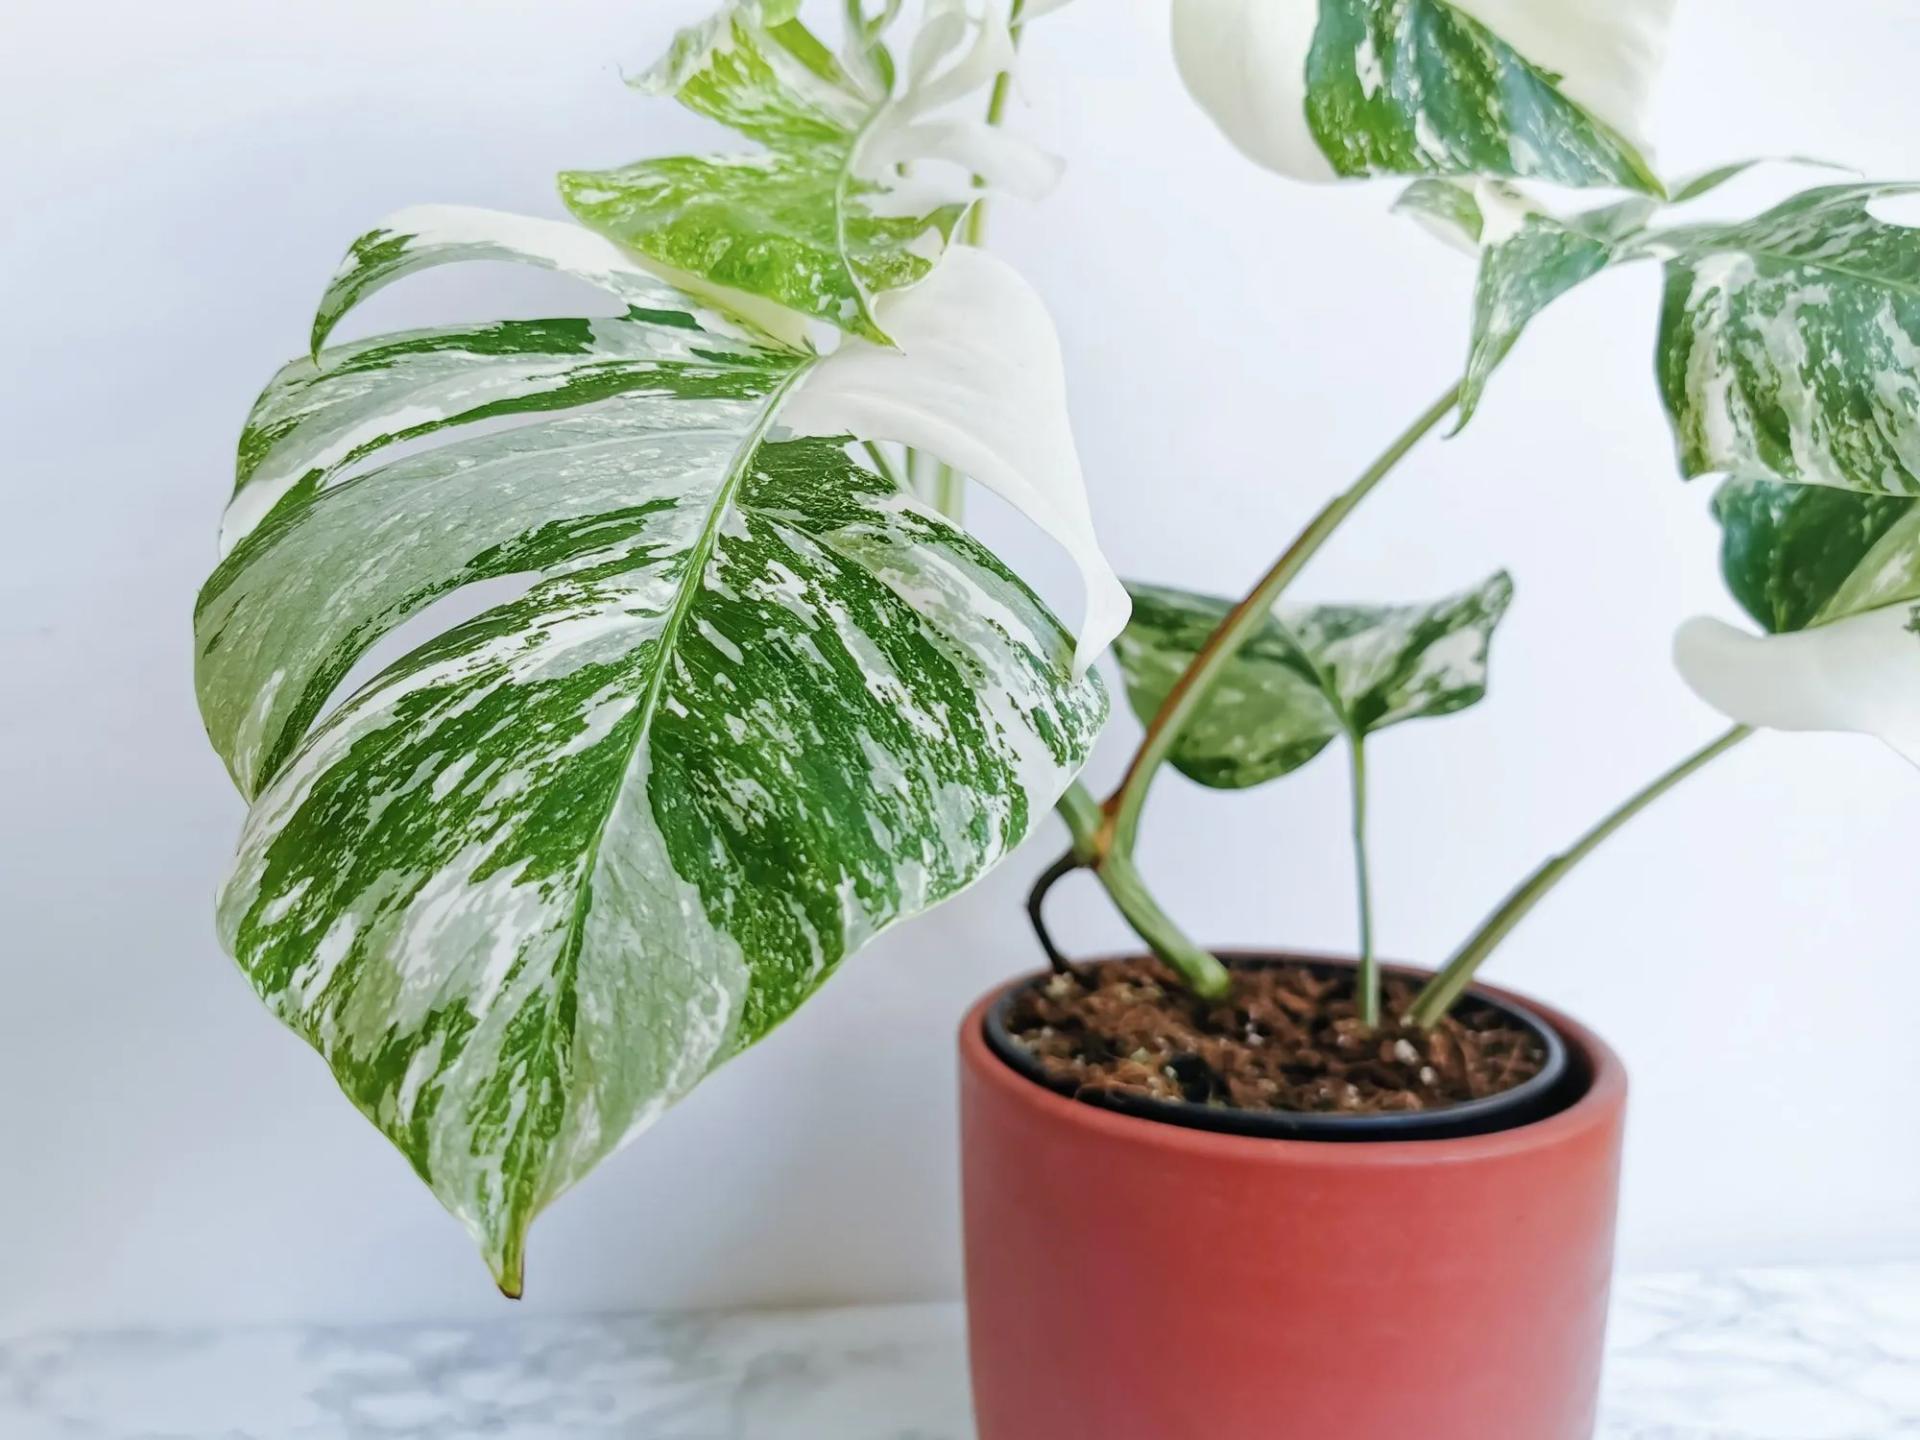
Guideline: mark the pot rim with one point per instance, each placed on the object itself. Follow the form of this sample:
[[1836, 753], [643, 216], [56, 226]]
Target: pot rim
[[1592, 1061]]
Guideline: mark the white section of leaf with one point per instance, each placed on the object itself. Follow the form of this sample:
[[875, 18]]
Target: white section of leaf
[[977, 380], [1245, 61], [956, 54], [572, 250], [943, 66], [1899, 207], [433, 230], [1607, 53], [776, 321], [963, 149], [1859, 674], [437, 234]]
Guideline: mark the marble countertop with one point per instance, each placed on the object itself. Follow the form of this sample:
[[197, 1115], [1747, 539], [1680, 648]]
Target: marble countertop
[[1829, 1354]]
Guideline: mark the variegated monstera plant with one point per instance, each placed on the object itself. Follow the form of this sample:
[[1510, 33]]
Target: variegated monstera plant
[[741, 692], [751, 700]]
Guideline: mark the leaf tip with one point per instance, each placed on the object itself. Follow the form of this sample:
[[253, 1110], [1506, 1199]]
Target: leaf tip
[[506, 1257], [1462, 412]]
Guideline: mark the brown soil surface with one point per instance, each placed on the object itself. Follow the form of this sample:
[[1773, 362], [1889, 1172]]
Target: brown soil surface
[[1285, 1038]]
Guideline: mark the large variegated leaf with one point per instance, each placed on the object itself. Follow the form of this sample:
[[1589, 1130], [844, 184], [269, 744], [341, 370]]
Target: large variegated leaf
[[1790, 344], [1310, 674], [978, 381], [529, 883], [853, 192], [1553, 89]]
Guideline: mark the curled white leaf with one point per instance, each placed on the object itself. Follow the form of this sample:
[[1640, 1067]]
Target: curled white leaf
[[1860, 674], [958, 50], [1246, 63], [977, 381], [922, 159]]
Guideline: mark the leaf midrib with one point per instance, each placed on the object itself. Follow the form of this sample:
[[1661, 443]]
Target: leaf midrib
[[666, 647], [1328, 690]]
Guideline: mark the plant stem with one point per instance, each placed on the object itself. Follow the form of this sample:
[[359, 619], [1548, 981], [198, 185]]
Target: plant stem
[[884, 465], [976, 228], [949, 489], [1456, 975], [1124, 806], [1082, 813], [1369, 978], [1204, 974], [949, 492]]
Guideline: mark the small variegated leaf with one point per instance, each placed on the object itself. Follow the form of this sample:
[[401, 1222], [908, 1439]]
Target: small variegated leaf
[[1265, 716], [1310, 674], [1790, 344], [1454, 211], [1528, 257], [854, 192], [1527, 268], [529, 883], [1551, 89], [1787, 343]]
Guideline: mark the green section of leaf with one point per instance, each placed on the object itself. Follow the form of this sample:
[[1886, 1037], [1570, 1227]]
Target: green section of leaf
[[1308, 675], [1264, 717], [528, 884], [790, 226], [1448, 208], [313, 424], [1790, 344], [757, 69], [1519, 277], [1419, 87], [1528, 259], [795, 224], [1801, 555]]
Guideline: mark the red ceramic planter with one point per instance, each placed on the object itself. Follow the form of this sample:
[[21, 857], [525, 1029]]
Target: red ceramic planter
[[1130, 1279]]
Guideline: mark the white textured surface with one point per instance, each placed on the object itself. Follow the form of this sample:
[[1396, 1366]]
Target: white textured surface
[[1758, 1355]]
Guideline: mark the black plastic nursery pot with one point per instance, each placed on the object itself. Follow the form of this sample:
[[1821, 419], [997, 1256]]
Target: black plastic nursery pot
[[1143, 1269], [1556, 1084]]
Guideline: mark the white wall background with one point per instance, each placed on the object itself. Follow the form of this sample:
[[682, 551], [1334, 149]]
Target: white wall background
[[178, 181]]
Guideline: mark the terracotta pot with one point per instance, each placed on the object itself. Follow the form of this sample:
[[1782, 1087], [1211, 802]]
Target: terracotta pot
[[1132, 1279]]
